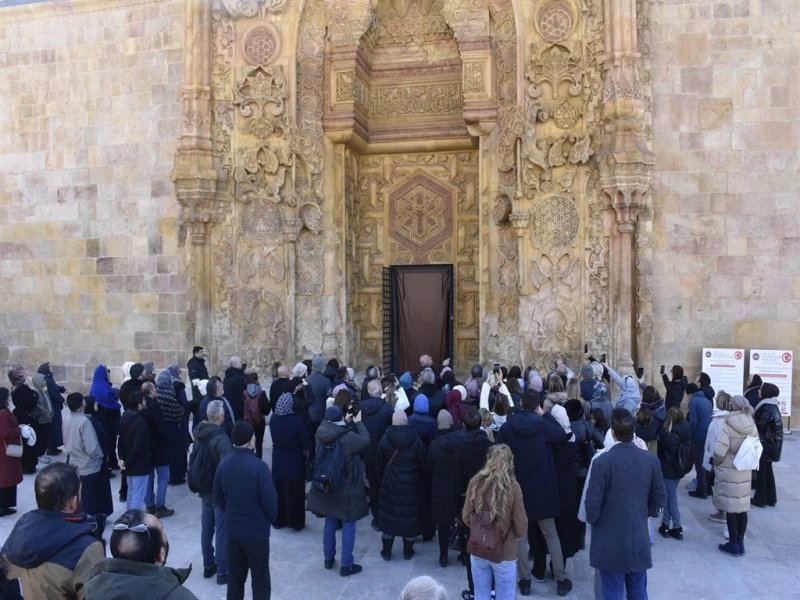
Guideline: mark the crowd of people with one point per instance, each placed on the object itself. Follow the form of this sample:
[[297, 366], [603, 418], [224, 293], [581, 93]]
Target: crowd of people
[[506, 469]]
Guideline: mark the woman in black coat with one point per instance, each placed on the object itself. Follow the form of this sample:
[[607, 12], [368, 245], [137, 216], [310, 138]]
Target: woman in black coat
[[26, 412], [767, 416], [676, 387], [290, 441], [399, 466], [440, 465]]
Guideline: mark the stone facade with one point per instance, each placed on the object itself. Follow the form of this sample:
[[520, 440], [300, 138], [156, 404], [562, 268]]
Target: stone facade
[[621, 173]]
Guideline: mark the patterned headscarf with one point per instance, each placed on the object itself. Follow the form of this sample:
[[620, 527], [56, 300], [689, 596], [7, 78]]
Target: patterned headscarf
[[284, 405], [174, 371], [16, 376]]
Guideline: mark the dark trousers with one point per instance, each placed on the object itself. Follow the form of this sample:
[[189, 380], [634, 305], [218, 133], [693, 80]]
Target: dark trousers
[[252, 556], [371, 471], [467, 561], [96, 493], [444, 539], [260, 429], [291, 503], [110, 421], [8, 497], [56, 436], [178, 445], [765, 485], [737, 527], [42, 437], [702, 474]]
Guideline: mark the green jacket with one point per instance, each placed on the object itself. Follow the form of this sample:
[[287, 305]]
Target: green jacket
[[123, 579]]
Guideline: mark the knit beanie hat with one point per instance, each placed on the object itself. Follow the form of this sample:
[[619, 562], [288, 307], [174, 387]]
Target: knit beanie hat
[[399, 418], [421, 404], [756, 381], [333, 414], [406, 381], [318, 364], [444, 420], [587, 372]]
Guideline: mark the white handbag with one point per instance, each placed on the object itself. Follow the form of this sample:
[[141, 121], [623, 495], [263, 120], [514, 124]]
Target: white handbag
[[13, 450], [749, 454]]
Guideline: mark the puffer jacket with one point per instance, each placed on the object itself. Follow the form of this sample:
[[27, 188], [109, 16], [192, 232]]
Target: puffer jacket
[[348, 503], [424, 425], [732, 486], [717, 421], [630, 396], [400, 469], [770, 429], [668, 444], [376, 415], [440, 464]]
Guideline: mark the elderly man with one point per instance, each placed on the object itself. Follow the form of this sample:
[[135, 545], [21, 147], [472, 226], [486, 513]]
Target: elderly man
[[139, 548], [432, 391], [278, 386], [234, 385], [52, 549], [214, 391], [320, 387]]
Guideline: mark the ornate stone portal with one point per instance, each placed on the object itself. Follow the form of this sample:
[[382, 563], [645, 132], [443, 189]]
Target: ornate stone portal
[[324, 141]]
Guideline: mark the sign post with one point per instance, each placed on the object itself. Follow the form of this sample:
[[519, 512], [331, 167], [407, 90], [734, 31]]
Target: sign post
[[775, 366], [725, 367]]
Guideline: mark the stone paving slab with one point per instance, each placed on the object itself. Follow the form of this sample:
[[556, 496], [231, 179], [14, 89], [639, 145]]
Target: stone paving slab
[[690, 570]]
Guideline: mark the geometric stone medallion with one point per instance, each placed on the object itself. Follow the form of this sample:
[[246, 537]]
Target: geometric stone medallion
[[420, 213], [555, 222]]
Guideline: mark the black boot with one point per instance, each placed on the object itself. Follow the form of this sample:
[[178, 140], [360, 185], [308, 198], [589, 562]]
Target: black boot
[[386, 553], [443, 559], [408, 549]]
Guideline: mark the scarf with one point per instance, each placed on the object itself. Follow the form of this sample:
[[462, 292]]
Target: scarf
[[764, 402], [174, 372], [284, 404], [444, 420], [253, 389], [165, 396]]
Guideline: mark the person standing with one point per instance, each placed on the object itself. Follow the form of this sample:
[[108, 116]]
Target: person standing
[[10, 466], [211, 440], [279, 385], [256, 409], [214, 389], [676, 387], [770, 430], [753, 391], [625, 488], [243, 488], [440, 467], [86, 454], [495, 491], [106, 398], [376, 414], [234, 386], [672, 436], [290, 442], [197, 370], [26, 412], [155, 499], [400, 464], [45, 407], [530, 433], [179, 446], [347, 504], [55, 392], [699, 420], [320, 388], [134, 451]]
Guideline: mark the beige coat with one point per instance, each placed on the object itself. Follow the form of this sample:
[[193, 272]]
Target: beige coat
[[731, 486]]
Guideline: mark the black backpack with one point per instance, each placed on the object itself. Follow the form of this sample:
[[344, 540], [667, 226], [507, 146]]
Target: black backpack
[[684, 458], [328, 474], [201, 466]]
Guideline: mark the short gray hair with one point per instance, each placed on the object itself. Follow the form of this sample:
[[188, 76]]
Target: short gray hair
[[215, 409], [423, 587], [148, 387], [427, 376], [374, 388]]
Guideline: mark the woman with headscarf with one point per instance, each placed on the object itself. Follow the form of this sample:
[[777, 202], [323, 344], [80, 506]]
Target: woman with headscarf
[[767, 416], [290, 442], [26, 412], [10, 466], [45, 407], [400, 505], [55, 392], [178, 463], [255, 409], [454, 401], [109, 409], [440, 465]]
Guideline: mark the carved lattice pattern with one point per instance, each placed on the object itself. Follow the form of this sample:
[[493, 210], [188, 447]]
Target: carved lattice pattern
[[555, 222], [262, 223], [261, 46], [555, 22]]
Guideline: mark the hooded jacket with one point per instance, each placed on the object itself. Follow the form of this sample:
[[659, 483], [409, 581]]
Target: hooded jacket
[[668, 445], [320, 387], [470, 458], [424, 425], [376, 415], [717, 421], [699, 417], [53, 553], [219, 444], [732, 486], [123, 579], [349, 502], [104, 394], [770, 428], [630, 396], [530, 437]]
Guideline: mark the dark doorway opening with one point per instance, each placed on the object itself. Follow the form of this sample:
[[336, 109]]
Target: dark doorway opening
[[417, 316]]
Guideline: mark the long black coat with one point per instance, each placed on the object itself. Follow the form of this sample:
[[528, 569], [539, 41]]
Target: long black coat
[[436, 397], [668, 444], [401, 493], [470, 458], [675, 391], [568, 526], [159, 435], [377, 417], [234, 386], [440, 463], [25, 402], [530, 437]]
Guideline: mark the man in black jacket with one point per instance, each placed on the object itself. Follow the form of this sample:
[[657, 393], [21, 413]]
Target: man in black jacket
[[376, 415], [278, 386], [214, 389], [134, 450], [234, 385], [156, 503], [197, 370]]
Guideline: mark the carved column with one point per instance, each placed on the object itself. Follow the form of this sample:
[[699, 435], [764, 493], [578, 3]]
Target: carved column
[[194, 175], [625, 165]]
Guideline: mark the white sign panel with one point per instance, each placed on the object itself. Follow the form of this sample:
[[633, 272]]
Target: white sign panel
[[775, 366], [725, 366]]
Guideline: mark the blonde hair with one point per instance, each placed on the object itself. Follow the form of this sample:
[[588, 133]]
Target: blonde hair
[[723, 400], [573, 389], [492, 487], [486, 423]]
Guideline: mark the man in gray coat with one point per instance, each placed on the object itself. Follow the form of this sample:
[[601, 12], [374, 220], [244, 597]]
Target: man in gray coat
[[320, 387], [626, 487]]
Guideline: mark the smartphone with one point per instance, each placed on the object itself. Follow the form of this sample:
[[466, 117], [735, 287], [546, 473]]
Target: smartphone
[[603, 359], [586, 348], [663, 370], [639, 372], [496, 367]]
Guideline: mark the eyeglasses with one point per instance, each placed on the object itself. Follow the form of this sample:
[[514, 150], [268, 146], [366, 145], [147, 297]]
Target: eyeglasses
[[139, 528]]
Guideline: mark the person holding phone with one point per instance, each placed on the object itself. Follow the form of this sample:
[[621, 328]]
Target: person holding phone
[[676, 386]]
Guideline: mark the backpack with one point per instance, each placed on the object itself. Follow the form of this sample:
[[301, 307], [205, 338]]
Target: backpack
[[586, 451], [328, 474], [252, 409], [201, 466], [486, 537], [684, 459]]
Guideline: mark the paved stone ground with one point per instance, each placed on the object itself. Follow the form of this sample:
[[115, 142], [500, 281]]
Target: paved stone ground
[[693, 569]]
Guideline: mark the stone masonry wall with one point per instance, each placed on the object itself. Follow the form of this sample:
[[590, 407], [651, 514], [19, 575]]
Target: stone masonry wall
[[90, 108], [727, 182]]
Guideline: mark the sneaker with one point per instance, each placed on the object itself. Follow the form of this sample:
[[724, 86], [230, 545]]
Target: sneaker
[[718, 517], [664, 530], [222, 579], [163, 512], [150, 510], [525, 587], [696, 494], [537, 579], [564, 587], [209, 572], [730, 549], [741, 549], [123, 497], [329, 564], [353, 569], [676, 533]]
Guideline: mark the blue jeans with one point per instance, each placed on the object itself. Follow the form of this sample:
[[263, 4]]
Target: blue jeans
[[505, 578], [213, 523], [137, 489], [617, 585], [159, 499], [671, 510], [348, 540]]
